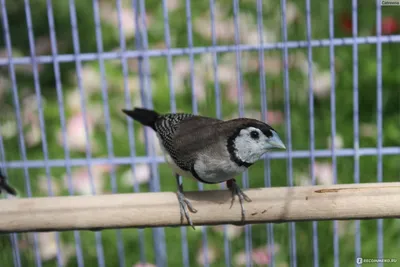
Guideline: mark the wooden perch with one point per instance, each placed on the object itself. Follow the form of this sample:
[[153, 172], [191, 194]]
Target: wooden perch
[[277, 204]]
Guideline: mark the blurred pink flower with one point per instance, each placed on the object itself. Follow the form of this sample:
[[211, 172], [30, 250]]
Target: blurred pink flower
[[275, 117], [226, 73], [323, 173], [253, 37], [173, 5], [273, 65], [232, 93], [368, 130], [48, 247], [199, 89], [302, 179], [338, 141], [42, 45], [81, 181], [43, 185], [232, 231], [260, 256], [211, 255], [76, 138], [292, 12], [224, 29], [30, 119], [322, 84], [32, 135], [180, 71], [146, 264], [109, 14], [141, 175], [73, 100], [9, 129], [91, 79]]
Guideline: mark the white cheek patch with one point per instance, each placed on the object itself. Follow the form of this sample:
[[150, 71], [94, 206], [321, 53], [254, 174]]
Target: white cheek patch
[[249, 149]]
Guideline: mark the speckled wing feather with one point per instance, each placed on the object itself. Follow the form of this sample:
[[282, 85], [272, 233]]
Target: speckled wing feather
[[184, 135]]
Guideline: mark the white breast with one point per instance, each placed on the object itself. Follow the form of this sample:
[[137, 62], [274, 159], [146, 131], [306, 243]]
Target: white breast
[[216, 169]]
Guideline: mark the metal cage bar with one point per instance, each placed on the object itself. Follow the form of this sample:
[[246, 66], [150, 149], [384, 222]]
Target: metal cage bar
[[207, 49], [379, 120]]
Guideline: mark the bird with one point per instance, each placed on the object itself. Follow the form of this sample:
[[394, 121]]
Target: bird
[[207, 149], [5, 186]]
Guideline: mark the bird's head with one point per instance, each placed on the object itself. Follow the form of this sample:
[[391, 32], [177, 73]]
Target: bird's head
[[251, 139]]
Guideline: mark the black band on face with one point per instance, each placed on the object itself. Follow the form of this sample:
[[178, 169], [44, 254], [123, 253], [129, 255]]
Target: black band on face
[[232, 150]]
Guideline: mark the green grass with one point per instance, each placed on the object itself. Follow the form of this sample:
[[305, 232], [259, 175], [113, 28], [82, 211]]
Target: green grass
[[298, 84]]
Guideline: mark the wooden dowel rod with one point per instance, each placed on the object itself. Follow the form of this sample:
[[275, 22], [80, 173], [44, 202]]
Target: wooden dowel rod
[[277, 204]]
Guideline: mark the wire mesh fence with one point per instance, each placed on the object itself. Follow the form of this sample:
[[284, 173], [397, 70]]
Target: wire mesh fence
[[323, 74]]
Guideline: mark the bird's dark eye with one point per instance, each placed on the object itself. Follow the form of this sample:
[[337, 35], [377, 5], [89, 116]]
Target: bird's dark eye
[[268, 133], [254, 134]]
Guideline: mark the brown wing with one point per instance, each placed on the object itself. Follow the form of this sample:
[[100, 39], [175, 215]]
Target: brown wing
[[191, 135]]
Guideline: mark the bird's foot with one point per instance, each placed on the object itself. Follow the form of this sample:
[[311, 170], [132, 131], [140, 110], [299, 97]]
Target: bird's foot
[[235, 189], [185, 206]]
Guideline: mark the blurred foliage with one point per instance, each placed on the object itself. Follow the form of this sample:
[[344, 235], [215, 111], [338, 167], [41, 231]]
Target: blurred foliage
[[161, 97]]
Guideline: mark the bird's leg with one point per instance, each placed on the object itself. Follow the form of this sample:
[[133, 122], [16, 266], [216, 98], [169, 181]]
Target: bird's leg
[[184, 204], [235, 189]]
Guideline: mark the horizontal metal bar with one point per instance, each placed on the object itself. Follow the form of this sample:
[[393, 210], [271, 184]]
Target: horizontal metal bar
[[200, 50], [159, 159], [273, 204]]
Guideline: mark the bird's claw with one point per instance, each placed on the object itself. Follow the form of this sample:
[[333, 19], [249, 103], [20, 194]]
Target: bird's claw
[[235, 189], [184, 207]]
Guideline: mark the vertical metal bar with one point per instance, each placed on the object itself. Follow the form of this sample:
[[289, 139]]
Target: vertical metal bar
[[184, 241], [379, 118], [215, 61], [292, 226], [131, 132], [15, 248], [167, 37], [158, 233], [245, 183], [53, 42], [78, 65], [41, 115], [107, 120], [217, 91], [264, 117], [13, 237], [312, 133], [22, 147], [191, 59], [333, 122], [195, 111], [356, 121]]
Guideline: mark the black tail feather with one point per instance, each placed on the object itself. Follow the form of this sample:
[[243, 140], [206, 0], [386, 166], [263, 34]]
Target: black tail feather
[[146, 117], [5, 186]]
